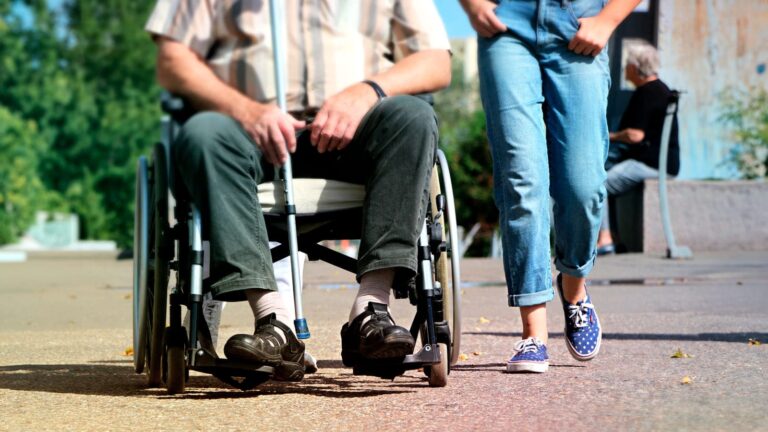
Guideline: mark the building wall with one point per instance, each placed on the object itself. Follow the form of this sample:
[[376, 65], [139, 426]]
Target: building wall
[[707, 46]]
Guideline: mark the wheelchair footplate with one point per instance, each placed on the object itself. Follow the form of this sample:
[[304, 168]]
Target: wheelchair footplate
[[241, 375], [391, 368]]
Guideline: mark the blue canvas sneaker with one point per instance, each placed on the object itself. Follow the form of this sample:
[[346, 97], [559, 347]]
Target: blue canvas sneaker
[[530, 356], [582, 327]]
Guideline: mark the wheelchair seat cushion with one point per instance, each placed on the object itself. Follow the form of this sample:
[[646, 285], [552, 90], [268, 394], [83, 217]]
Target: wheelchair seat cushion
[[311, 196]]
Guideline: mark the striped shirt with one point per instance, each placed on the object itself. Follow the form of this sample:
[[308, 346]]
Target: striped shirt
[[331, 43]]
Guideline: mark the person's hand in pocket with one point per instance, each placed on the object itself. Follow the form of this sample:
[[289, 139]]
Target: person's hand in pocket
[[592, 36], [483, 18], [595, 31]]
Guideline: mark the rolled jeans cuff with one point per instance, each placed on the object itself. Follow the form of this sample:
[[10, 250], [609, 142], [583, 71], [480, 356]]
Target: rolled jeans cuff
[[531, 299], [582, 271]]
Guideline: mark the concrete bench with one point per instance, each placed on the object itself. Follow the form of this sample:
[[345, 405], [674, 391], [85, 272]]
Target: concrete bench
[[706, 216]]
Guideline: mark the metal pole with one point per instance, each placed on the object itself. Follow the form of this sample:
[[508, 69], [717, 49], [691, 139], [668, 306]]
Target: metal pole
[[277, 18], [673, 250]]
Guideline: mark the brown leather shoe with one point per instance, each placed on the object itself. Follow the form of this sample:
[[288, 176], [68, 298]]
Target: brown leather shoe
[[374, 335], [266, 346]]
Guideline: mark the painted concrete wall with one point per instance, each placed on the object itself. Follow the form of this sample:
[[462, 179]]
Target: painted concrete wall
[[707, 46]]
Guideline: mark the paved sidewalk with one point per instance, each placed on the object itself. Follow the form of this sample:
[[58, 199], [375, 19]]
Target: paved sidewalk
[[65, 324]]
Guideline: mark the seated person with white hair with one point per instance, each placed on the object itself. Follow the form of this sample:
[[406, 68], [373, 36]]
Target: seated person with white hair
[[635, 147]]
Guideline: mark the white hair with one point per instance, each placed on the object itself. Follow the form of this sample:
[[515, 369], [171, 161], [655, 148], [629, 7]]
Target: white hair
[[645, 58]]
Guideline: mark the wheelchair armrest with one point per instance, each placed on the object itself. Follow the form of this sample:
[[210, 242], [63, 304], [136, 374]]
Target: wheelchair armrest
[[176, 107]]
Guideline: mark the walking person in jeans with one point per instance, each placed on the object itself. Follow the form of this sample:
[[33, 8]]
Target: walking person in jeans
[[544, 81]]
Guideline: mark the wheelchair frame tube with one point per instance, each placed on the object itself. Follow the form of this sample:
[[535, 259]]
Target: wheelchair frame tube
[[425, 262], [196, 276], [277, 18]]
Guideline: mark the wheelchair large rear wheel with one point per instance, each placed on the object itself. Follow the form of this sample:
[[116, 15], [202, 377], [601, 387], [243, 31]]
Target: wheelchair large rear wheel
[[159, 255], [142, 215], [447, 266]]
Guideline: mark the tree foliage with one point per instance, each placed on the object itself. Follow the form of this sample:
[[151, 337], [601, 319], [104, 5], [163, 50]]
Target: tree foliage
[[82, 72], [20, 187]]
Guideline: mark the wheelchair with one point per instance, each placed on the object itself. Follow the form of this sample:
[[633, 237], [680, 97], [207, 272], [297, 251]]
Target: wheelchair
[[168, 239]]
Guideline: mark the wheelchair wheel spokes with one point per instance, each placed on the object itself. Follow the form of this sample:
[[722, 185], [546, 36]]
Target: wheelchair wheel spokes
[[159, 256]]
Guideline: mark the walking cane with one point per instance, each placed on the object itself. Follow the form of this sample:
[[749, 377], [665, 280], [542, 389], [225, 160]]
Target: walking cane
[[277, 20]]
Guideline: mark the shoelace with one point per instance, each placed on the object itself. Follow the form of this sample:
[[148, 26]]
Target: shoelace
[[579, 314], [527, 345]]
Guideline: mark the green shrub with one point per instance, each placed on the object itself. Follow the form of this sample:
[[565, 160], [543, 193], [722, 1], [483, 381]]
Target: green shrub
[[20, 187], [747, 114]]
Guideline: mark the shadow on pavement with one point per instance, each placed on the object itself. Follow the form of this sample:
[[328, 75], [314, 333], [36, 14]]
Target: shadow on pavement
[[336, 387], [499, 367], [739, 337], [110, 378]]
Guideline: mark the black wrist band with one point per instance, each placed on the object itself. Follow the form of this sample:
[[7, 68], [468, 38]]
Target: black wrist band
[[377, 88]]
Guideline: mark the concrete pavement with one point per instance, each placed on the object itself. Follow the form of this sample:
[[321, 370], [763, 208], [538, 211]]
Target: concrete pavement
[[65, 324]]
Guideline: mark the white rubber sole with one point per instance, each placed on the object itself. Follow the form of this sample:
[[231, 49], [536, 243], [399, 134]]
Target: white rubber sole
[[535, 367]]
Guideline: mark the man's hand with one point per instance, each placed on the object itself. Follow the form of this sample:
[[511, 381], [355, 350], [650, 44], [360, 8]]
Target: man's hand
[[337, 121], [273, 130], [182, 71], [482, 17], [592, 36]]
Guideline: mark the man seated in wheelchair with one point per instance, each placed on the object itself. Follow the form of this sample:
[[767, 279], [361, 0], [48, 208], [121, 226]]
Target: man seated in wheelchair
[[352, 66]]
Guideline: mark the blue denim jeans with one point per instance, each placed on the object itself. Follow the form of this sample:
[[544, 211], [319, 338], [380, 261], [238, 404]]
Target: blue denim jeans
[[546, 114]]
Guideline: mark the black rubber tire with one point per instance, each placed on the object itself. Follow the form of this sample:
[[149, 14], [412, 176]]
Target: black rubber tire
[[175, 364], [142, 217], [157, 299]]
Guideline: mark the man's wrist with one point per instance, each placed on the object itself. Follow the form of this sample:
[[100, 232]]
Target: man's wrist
[[380, 94]]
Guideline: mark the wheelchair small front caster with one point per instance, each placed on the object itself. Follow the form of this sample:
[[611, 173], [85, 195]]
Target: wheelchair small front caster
[[438, 373], [175, 372]]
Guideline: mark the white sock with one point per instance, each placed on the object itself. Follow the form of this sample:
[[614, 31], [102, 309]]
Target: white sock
[[375, 286], [264, 302]]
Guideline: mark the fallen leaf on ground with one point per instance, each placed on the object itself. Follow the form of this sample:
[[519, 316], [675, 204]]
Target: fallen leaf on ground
[[128, 351], [754, 342], [686, 380], [463, 357], [680, 354], [477, 353], [484, 320]]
